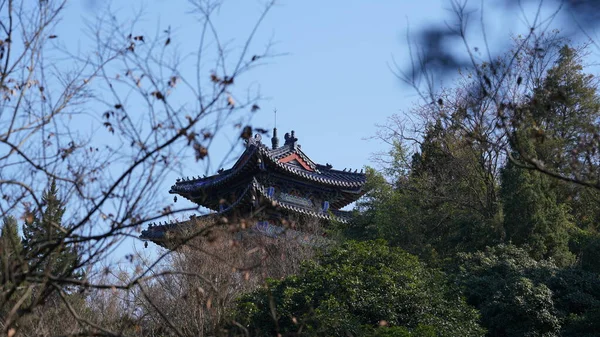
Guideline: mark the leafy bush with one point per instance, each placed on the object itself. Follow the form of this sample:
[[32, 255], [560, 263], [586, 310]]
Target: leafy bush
[[519, 296], [358, 289]]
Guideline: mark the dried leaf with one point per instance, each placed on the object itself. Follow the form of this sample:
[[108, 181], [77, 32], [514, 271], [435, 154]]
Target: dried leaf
[[254, 108], [168, 41], [173, 81], [139, 38], [230, 101], [109, 127], [246, 132], [200, 150], [158, 95], [28, 217], [191, 137], [52, 36]]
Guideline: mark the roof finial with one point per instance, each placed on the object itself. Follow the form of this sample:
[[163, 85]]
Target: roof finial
[[275, 140], [291, 139]]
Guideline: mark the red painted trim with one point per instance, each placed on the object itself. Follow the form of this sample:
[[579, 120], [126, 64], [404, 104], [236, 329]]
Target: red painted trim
[[295, 156]]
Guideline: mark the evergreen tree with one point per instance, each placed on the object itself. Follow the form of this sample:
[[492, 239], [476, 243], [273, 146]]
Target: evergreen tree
[[10, 249], [565, 108], [455, 190], [43, 240], [563, 115], [557, 121], [532, 215], [11, 263]]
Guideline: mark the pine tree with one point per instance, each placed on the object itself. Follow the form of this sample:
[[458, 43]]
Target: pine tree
[[455, 191], [10, 250], [44, 244], [565, 109], [533, 217]]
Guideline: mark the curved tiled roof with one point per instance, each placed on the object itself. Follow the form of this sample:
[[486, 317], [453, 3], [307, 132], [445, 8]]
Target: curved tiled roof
[[252, 159], [158, 233], [335, 215], [255, 188]]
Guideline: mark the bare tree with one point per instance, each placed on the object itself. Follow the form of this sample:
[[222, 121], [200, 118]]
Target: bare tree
[[108, 126], [195, 288]]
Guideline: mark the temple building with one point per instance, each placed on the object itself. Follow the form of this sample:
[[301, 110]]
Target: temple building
[[276, 190]]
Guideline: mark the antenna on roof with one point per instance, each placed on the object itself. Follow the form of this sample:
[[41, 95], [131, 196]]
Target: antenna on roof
[[275, 140]]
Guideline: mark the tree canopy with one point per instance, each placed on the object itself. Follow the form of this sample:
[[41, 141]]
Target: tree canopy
[[358, 289]]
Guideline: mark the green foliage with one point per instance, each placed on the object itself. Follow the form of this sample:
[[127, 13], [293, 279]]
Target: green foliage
[[10, 242], [10, 250], [419, 331], [564, 109], [352, 290], [441, 201], [586, 245], [43, 239], [520, 296], [390, 213], [511, 304], [557, 128], [459, 194], [11, 261], [532, 215]]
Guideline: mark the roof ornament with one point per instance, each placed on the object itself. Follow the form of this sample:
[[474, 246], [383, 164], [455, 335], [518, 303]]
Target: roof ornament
[[178, 179], [291, 139], [254, 140], [275, 140], [329, 166], [220, 170]]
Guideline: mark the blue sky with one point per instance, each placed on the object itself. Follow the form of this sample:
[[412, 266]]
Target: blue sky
[[335, 81]]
